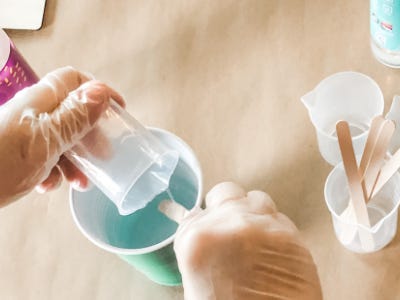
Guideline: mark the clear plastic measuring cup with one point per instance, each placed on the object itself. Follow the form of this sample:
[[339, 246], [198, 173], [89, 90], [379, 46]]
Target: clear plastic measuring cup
[[124, 160], [348, 96], [382, 211]]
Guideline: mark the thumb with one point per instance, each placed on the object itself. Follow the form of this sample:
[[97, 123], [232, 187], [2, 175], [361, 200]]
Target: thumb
[[49, 92]]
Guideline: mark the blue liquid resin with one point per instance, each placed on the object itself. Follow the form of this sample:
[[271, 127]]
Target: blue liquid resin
[[148, 226]]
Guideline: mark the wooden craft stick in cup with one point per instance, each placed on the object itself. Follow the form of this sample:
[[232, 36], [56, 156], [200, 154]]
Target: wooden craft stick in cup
[[348, 213], [373, 135], [373, 157], [173, 210], [354, 182], [377, 158]]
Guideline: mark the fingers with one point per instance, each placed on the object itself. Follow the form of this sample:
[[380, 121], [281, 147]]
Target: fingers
[[260, 202], [52, 182], [254, 201], [288, 223], [72, 174], [78, 113], [223, 192], [117, 98], [52, 89], [65, 106], [278, 223]]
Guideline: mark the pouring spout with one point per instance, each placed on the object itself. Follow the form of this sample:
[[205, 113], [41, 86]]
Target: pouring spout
[[309, 100]]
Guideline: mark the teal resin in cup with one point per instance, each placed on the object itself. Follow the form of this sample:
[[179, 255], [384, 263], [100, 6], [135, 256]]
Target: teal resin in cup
[[145, 238]]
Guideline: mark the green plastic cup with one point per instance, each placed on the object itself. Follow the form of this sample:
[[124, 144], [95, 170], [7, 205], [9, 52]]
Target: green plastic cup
[[145, 238]]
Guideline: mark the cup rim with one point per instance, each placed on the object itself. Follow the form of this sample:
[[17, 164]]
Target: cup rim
[[372, 229], [162, 244], [323, 81]]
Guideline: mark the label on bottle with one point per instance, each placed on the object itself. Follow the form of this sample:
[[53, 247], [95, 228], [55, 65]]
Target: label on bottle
[[385, 23]]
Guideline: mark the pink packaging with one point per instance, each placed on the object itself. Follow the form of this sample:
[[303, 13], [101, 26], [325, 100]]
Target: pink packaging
[[15, 73]]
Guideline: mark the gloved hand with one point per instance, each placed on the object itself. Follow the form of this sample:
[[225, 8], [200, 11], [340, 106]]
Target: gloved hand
[[42, 122], [241, 247]]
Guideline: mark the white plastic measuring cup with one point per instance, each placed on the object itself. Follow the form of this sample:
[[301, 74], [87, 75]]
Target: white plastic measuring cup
[[348, 96], [382, 211], [124, 160]]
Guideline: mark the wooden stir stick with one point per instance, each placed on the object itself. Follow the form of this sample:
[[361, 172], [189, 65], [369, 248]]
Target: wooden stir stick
[[354, 182], [372, 139], [377, 157], [375, 129], [371, 162], [372, 159], [173, 210]]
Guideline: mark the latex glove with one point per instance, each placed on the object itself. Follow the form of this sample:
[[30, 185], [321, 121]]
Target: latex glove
[[240, 247], [42, 122]]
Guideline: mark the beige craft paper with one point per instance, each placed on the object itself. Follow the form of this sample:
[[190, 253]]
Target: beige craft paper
[[222, 75]]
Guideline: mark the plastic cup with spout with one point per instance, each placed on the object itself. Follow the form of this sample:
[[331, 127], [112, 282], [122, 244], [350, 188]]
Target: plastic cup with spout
[[348, 96]]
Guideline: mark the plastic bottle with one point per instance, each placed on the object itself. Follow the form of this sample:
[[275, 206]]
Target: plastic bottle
[[15, 72], [385, 31]]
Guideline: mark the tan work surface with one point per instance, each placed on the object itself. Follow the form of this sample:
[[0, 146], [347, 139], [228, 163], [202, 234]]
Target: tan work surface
[[227, 77]]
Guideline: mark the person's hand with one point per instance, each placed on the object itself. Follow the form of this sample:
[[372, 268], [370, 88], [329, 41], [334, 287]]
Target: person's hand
[[43, 121], [241, 247]]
